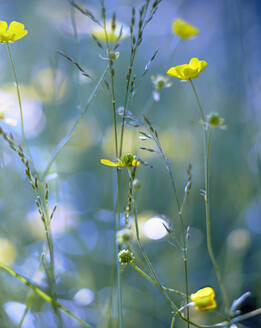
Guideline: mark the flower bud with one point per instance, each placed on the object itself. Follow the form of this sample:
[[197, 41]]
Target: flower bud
[[126, 256], [160, 82], [114, 55], [204, 299], [214, 119]]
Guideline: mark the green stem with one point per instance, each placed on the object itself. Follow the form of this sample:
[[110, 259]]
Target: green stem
[[157, 282], [117, 208], [145, 275], [43, 295], [221, 324], [67, 138], [19, 102], [199, 105], [50, 271], [180, 214], [119, 289], [28, 306], [208, 224], [207, 144]]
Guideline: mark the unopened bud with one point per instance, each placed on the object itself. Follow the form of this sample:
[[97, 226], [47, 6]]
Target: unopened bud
[[126, 256]]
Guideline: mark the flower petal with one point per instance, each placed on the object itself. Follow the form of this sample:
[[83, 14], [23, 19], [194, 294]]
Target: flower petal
[[17, 30], [109, 163], [3, 27], [194, 63]]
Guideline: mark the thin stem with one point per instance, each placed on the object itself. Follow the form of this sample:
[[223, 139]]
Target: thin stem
[[134, 47], [180, 214], [207, 144], [199, 104], [145, 275], [117, 213], [50, 271], [67, 138], [119, 289], [19, 102], [173, 321], [157, 282], [209, 238], [43, 295], [28, 306]]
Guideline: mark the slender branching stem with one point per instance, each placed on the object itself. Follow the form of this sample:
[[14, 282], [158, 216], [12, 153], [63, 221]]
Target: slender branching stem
[[145, 275], [207, 144]]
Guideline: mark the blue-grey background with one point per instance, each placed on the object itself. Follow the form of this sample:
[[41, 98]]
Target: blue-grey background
[[53, 93]]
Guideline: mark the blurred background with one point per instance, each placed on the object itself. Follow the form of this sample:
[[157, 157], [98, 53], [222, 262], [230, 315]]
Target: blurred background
[[53, 95]]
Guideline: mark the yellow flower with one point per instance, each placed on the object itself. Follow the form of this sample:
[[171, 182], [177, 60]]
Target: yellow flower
[[113, 34], [15, 32], [127, 160], [204, 299], [188, 71], [183, 29]]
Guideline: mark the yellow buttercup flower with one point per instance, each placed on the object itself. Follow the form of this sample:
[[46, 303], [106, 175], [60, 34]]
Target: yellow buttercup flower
[[113, 34], [183, 29], [15, 32], [204, 299], [127, 160], [188, 71]]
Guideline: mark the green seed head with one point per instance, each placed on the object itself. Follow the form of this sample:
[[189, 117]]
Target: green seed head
[[126, 256]]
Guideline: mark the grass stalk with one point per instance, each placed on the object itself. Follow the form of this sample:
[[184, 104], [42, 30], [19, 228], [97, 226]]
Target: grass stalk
[[43, 295], [69, 135]]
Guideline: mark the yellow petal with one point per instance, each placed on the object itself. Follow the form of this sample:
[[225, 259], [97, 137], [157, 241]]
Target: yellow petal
[[3, 27], [109, 163], [194, 62], [17, 30], [172, 72], [204, 299], [203, 64]]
